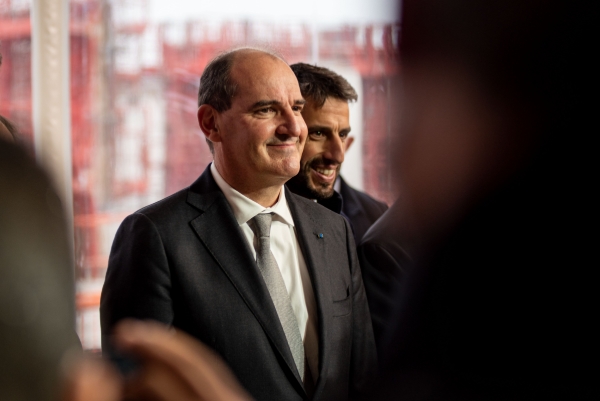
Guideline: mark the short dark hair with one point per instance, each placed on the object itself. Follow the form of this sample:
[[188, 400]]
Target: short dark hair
[[319, 83], [216, 86]]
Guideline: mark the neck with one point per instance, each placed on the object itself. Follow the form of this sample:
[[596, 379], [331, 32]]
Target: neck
[[266, 197]]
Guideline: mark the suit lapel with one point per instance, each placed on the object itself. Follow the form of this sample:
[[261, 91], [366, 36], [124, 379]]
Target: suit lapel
[[218, 230], [314, 251]]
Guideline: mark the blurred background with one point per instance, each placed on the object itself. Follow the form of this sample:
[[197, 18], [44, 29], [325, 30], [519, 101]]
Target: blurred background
[[134, 74]]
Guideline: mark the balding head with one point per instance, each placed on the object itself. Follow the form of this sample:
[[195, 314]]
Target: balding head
[[216, 84]]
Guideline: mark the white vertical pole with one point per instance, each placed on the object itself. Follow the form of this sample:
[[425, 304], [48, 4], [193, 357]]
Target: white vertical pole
[[315, 34], [51, 95]]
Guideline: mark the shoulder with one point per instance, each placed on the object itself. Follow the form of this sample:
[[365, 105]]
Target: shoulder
[[313, 219], [369, 201], [173, 210], [366, 201], [316, 212], [387, 237], [166, 206], [186, 202]]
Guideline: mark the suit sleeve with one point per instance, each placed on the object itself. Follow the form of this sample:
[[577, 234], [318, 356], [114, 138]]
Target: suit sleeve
[[138, 282], [364, 361], [383, 268]]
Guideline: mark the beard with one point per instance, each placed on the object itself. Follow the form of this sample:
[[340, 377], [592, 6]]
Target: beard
[[302, 185]]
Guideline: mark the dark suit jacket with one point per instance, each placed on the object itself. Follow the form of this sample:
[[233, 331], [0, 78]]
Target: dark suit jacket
[[360, 208], [384, 261], [184, 261]]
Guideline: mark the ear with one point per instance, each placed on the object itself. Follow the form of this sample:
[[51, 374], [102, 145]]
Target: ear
[[207, 119], [348, 143]]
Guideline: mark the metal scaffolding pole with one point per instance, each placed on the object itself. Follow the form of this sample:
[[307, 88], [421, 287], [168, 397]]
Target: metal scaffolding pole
[[51, 95]]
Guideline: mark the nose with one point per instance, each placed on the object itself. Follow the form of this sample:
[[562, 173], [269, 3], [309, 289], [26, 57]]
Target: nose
[[291, 124], [334, 149]]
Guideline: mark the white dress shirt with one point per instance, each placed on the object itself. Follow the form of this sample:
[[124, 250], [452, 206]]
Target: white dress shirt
[[286, 251]]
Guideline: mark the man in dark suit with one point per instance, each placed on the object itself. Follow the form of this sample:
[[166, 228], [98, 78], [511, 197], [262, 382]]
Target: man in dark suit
[[283, 305], [327, 116]]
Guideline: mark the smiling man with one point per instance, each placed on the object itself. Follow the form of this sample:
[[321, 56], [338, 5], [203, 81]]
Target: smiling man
[[327, 116], [268, 279]]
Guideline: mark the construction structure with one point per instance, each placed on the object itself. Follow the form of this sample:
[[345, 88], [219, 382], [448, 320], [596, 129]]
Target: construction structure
[[134, 85]]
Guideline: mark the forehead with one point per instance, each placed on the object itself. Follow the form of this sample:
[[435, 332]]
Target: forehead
[[334, 111], [265, 77]]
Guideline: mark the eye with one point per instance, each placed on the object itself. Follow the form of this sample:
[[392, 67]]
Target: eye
[[317, 134], [297, 108], [265, 110]]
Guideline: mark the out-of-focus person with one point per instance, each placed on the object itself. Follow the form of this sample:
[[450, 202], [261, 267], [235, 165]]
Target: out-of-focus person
[[40, 354], [37, 314], [327, 117], [266, 278], [174, 366], [494, 170]]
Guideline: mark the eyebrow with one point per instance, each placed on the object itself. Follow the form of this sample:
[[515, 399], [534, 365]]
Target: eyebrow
[[264, 103], [325, 128]]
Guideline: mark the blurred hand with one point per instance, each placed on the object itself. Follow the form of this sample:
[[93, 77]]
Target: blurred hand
[[174, 366], [88, 379]]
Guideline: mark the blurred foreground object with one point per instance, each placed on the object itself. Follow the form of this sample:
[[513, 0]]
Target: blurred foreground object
[[174, 366], [37, 315], [495, 171]]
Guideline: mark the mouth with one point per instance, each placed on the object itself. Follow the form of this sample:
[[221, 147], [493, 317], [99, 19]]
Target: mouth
[[324, 175], [283, 145]]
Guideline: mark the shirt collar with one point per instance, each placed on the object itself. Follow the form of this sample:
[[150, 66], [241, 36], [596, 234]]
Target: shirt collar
[[337, 185], [245, 208]]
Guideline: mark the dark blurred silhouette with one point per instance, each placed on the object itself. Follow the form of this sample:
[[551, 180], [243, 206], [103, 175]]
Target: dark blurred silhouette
[[495, 177], [37, 314]]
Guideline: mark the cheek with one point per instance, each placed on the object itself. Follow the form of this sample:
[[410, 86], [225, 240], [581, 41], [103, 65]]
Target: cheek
[[311, 150]]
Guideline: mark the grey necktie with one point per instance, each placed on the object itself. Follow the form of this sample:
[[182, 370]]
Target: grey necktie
[[274, 281]]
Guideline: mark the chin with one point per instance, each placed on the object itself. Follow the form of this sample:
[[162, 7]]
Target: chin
[[290, 168], [321, 192]]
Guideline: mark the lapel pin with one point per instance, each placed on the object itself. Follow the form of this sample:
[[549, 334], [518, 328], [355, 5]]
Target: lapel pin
[[319, 236]]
